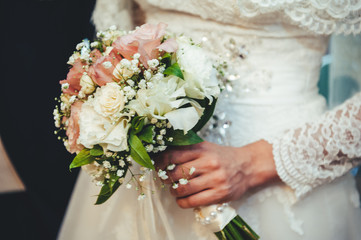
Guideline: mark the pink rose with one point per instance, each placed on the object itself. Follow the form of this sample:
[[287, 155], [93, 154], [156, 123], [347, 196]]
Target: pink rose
[[73, 127], [73, 78], [147, 41], [102, 70], [127, 51], [169, 45]]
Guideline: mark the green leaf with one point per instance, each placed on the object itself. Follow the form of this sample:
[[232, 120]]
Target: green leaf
[[179, 139], [138, 152], [166, 59], [137, 124], [83, 158], [106, 192], [166, 55], [174, 70], [207, 114], [146, 134], [97, 150]]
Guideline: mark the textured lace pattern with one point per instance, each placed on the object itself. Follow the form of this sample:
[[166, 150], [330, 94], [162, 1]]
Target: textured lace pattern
[[321, 151], [113, 12], [318, 16], [323, 17]]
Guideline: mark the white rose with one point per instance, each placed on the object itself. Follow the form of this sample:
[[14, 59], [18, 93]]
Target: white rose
[[95, 128], [159, 100], [87, 84], [199, 73], [109, 100], [163, 101]]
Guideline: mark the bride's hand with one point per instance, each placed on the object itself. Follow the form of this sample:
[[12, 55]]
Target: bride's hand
[[222, 173]]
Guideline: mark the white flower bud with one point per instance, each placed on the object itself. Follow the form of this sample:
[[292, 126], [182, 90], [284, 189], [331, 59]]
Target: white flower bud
[[171, 167], [107, 64], [142, 84], [162, 174], [65, 86], [183, 181], [107, 164], [153, 63], [72, 99], [191, 171], [120, 173], [80, 45], [130, 82], [149, 148], [147, 75], [162, 148], [121, 163], [94, 44], [153, 121]]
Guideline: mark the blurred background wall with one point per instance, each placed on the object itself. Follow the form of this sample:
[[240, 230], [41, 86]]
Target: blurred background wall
[[37, 38]]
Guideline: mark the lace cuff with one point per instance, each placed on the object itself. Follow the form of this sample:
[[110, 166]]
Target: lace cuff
[[322, 17], [318, 152]]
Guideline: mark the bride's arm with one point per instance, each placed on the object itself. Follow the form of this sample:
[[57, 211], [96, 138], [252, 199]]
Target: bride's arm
[[318, 152], [304, 158]]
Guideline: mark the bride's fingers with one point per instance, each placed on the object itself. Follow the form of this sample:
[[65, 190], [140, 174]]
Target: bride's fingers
[[175, 156], [189, 169], [204, 198], [193, 186]]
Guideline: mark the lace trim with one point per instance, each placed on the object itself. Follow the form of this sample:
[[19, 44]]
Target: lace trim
[[317, 153], [322, 17]]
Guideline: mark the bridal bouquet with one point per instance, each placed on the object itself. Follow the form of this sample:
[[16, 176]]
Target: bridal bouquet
[[129, 95]]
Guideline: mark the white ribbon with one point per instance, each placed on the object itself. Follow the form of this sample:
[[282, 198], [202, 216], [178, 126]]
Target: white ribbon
[[215, 217]]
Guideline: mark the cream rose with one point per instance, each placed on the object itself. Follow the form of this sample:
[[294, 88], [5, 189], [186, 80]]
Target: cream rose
[[96, 129], [122, 73], [109, 100]]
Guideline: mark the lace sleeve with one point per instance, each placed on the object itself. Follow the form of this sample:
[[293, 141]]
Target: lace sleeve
[[322, 17], [319, 152], [113, 12]]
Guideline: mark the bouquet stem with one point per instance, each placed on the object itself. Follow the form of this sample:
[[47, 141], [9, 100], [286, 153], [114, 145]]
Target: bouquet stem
[[237, 229]]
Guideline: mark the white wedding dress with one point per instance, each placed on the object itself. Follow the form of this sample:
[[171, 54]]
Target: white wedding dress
[[274, 50]]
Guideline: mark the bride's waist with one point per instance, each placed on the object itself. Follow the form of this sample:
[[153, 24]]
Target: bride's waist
[[264, 95], [250, 122]]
